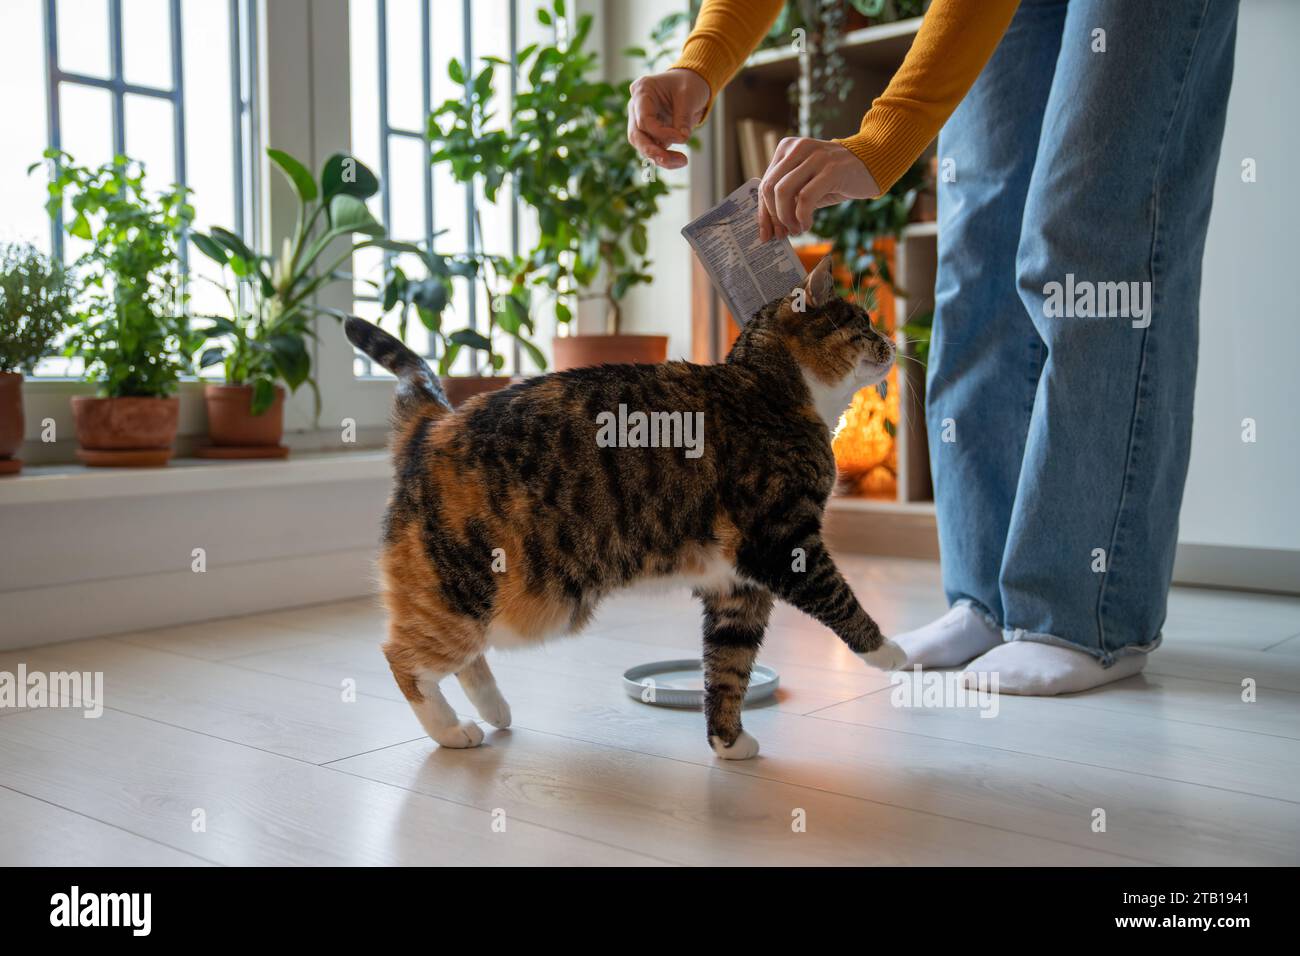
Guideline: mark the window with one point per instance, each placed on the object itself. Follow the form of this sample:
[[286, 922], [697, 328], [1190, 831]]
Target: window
[[167, 82], [400, 51]]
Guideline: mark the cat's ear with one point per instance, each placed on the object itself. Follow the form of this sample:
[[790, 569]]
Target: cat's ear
[[820, 285]]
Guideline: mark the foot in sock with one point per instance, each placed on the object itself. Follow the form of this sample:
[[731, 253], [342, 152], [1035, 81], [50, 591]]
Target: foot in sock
[[1035, 669], [959, 636]]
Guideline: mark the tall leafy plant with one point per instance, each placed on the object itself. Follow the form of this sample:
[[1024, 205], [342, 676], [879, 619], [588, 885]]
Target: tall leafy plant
[[565, 148], [36, 304], [430, 295], [130, 326], [265, 339]]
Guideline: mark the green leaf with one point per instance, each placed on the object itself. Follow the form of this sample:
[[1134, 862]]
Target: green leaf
[[470, 338], [291, 358], [220, 326], [562, 313], [456, 71], [349, 214], [519, 313], [210, 248], [639, 242], [343, 174], [544, 16], [393, 245], [394, 289], [430, 320], [263, 395], [483, 83], [297, 173], [430, 294], [236, 245], [448, 358], [211, 357], [534, 353]]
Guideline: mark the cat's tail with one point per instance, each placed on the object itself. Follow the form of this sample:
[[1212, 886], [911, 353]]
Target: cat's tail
[[417, 387]]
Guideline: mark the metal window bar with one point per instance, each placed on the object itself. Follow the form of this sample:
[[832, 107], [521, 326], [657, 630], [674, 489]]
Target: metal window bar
[[242, 101], [387, 130]]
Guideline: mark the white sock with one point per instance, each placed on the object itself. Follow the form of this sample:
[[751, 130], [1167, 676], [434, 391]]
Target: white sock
[[959, 636], [1042, 670]]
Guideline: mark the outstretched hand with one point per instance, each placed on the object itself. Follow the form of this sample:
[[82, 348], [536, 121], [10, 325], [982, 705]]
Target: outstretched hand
[[664, 108], [805, 175]]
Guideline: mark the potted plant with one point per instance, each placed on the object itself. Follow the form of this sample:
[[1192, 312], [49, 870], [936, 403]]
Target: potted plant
[[130, 328], [566, 151], [430, 296], [35, 306], [262, 344]]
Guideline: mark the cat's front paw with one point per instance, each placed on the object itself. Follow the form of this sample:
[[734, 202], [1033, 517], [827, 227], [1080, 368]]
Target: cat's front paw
[[887, 657], [744, 747]]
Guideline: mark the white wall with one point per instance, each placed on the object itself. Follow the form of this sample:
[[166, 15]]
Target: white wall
[[1245, 494], [665, 305]]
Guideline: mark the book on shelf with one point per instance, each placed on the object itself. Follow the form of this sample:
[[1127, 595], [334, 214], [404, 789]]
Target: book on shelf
[[758, 141]]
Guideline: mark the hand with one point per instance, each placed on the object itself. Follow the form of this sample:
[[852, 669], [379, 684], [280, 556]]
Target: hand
[[804, 175], [664, 108]]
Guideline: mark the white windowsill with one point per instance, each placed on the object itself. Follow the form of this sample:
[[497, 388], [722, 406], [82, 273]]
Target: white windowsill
[[52, 483]]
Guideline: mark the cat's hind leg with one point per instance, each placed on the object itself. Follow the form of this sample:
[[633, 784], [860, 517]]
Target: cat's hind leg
[[419, 661], [734, 623], [480, 687]]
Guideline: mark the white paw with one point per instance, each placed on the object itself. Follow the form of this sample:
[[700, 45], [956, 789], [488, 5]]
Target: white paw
[[462, 735], [887, 657], [496, 713], [744, 747]]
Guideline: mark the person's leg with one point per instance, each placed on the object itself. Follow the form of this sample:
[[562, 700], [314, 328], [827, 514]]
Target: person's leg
[[985, 355], [1109, 269]]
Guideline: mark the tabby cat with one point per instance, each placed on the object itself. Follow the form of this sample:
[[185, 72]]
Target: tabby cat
[[514, 515]]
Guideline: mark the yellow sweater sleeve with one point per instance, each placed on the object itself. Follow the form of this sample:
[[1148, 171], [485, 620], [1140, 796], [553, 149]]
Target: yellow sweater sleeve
[[955, 40], [725, 34]]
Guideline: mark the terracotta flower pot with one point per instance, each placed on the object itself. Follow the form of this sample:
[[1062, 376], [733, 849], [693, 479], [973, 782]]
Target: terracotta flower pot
[[579, 351], [461, 388], [231, 422], [11, 421], [132, 432]]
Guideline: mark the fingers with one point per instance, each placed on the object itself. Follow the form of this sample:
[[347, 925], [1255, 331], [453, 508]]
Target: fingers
[[805, 175], [789, 193], [649, 133], [765, 230], [793, 166], [817, 192], [784, 160], [653, 151]]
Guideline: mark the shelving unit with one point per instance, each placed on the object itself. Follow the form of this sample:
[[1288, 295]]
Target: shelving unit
[[761, 91]]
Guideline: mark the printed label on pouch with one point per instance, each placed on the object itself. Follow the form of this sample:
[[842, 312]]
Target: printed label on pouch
[[749, 274]]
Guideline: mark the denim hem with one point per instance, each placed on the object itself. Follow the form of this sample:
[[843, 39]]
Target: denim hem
[[981, 610], [1104, 657]]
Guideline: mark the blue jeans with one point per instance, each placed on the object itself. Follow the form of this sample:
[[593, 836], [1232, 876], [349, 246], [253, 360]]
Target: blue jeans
[[1074, 197]]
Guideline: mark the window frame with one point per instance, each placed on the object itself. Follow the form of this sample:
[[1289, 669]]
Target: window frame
[[243, 78], [307, 112], [387, 131], [46, 398]]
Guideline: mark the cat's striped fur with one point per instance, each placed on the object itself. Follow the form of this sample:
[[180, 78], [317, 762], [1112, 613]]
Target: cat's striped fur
[[508, 523]]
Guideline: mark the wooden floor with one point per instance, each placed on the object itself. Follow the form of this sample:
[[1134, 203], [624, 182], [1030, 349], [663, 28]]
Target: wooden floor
[[232, 742]]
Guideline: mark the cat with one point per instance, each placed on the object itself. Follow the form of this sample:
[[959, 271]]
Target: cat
[[514, 515]]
